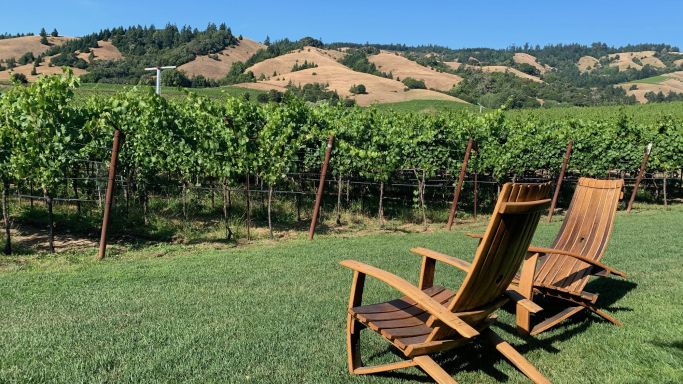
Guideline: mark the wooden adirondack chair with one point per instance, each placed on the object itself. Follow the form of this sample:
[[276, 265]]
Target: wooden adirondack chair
[[430, 319], [563, 270]]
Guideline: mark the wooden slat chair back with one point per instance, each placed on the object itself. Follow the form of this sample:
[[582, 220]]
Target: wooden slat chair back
[[503, 246], [586, 230], [432, 319]]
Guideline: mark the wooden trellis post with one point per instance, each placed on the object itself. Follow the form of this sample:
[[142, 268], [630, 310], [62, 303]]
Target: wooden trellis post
[[641, 173], [321, 187], [565, 161], [110, 194], [458, 188]]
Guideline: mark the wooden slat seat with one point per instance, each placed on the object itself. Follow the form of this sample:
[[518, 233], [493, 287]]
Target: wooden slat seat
[[430, 319], [403, 319]]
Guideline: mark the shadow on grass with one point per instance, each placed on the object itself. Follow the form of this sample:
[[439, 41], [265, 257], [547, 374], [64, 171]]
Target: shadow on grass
[[483, 357], [677, 346]]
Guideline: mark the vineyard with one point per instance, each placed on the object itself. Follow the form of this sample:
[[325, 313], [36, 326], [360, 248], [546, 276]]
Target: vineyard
[[195, 157]]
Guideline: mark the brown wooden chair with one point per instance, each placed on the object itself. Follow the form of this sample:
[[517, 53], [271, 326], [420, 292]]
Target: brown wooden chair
[[563, 270], [430, 319]]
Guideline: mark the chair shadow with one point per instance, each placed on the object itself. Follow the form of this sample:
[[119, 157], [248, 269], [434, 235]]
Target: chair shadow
[[481, 357], [676, 345], [475, 357], [610, 291]]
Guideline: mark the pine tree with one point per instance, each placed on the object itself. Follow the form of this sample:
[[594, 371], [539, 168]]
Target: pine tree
[[54, 33]]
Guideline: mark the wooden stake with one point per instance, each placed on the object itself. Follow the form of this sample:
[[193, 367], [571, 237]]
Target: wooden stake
[[110, 194], [641, 173], [321, 186], [248, 210], [666, 204], [458, 188], [565, 161]]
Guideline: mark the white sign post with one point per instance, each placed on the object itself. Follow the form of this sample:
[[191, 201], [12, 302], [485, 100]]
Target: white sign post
[[158, 70]]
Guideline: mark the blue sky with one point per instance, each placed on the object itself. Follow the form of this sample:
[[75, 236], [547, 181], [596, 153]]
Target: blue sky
[[456, 24]]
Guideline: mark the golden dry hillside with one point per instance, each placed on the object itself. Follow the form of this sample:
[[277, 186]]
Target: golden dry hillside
[[283, 64], [43, 69], [402, 68], [340, 79], [670, 82], [219, 66], [105, 52], [525, 58], [635, 60], [494, 69], [18, 46], [588, 63]]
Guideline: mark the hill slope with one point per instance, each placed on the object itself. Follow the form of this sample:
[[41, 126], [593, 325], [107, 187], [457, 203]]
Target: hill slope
[[218, 66], [18, 46], [340, 79], [402, 68]]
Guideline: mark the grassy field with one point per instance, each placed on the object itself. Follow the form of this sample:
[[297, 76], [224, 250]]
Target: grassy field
[[274, 313], [428, 106], [89, 89], [652, 80]]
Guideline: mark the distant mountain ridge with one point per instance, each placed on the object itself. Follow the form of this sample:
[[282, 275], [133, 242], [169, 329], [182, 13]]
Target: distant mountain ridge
[[524, 76]]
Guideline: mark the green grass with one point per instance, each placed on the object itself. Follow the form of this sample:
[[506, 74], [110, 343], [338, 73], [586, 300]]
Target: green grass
[[652, 80], [428, 106], [101, 89], [274, 313]]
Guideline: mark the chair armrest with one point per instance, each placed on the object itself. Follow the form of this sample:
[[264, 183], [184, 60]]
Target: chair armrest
[[523, 301], [597, 264], [425, 301], [450, 260]]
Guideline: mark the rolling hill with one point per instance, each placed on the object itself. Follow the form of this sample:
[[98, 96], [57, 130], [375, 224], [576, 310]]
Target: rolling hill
[[18, 46], [666, 84], [402, 68], [517, 76], [218, 66]]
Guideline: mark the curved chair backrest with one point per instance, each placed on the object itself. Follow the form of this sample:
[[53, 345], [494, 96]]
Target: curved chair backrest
[[503, 246], [586, 230]]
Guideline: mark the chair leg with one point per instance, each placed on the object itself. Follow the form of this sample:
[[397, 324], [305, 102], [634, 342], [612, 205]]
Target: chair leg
[[603, 314], [434, 370], [353, 329], [515, 357]]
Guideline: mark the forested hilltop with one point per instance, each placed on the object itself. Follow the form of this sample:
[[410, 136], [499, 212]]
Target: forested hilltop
[[518, 76]]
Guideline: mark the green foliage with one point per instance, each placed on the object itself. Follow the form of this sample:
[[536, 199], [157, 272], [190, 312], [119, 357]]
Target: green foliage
[[147, 47], [314, 92], [44, 132], [237, 74], [358, 89], [305, 65], [26, 58], [46, 127], [411, 83], [18, 78], [357, 59]]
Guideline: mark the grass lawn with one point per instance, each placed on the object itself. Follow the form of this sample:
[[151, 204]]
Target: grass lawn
[[274, 313]]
